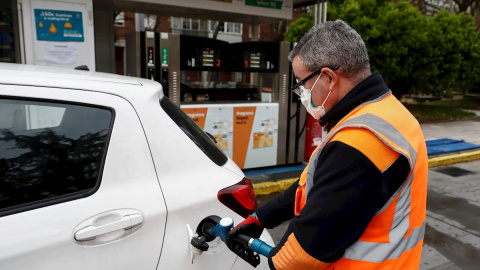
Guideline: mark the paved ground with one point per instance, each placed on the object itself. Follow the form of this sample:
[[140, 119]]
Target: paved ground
[[458, 130], [452, 237]]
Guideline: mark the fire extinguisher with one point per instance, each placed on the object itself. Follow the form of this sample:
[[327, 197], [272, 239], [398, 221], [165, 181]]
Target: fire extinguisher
[[313, 136]]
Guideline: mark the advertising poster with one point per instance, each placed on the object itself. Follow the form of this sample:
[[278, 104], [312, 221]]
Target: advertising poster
[[264, 138], [59, 25], [245, 133], [220, 125], [242, 129], [216, 120], [262, 149]]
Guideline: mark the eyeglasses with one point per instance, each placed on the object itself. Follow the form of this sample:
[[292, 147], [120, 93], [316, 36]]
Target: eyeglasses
[[296, 87]]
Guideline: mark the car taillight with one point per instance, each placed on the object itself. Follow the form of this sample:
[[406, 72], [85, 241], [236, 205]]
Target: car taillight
[[239, 197]]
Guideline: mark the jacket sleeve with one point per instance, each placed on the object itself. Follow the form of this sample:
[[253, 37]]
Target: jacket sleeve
[[348, 189]]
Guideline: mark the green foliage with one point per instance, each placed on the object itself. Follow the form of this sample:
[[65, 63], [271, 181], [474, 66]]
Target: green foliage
[[465, 103], [456, 46], [433, 113], [299, 27], [395, 36], [412, 52]]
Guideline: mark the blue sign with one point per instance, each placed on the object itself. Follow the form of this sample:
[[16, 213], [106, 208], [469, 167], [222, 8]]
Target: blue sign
[[59, 25]]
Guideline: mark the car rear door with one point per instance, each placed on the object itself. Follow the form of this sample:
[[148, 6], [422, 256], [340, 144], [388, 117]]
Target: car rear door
[[78, 188]]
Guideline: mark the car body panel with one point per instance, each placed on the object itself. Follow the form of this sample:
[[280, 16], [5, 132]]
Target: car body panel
[[152, 171], [52, 228]]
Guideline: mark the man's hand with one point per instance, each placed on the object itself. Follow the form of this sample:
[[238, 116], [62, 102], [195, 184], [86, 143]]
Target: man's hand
[[251, 226]]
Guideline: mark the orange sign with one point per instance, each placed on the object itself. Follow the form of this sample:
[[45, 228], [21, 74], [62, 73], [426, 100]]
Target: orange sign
[[242, 127], [198, 115]]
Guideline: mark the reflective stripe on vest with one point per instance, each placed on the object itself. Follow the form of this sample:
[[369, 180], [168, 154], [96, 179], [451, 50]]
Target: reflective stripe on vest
[[388, 134]]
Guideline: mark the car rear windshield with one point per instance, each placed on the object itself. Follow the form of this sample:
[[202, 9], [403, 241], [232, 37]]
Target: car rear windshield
[[194, 132], [50, 152]]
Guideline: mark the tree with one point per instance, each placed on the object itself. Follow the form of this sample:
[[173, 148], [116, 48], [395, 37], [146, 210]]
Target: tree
[[457, 46], [48, 164], [432, 7], [396, 38], [298, 28], [218, 25], [412, 52]]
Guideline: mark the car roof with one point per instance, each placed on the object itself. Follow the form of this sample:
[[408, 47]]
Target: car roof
[[44, 76]]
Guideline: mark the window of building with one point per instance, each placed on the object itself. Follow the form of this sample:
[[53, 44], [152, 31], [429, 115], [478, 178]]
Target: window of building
[[185, 23], [119, 19], [49, 152], [226, 27]]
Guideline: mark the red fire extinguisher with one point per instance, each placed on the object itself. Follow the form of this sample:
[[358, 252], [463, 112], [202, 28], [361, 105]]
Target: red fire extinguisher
[[313, 136]]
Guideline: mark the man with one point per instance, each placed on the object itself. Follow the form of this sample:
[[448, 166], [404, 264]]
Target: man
[[361, 201]]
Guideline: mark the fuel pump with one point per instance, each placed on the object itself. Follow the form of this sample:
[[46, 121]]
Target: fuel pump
[[238, 92], [142, 55]]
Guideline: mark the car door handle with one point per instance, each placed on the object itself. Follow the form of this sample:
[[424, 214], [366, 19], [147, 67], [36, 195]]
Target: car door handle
[[127, 222]]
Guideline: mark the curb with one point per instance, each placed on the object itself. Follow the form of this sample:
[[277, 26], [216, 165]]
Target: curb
[[452, 159], [264, 188]]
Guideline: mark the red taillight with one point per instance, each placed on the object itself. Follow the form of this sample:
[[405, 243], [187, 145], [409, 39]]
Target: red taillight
[[239, 197]]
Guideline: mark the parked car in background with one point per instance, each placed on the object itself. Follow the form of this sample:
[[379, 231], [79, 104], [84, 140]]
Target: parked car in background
[[99, 171]]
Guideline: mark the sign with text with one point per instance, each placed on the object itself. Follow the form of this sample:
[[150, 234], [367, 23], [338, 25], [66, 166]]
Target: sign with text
[[264, 3], [247, 133], [59, 25]]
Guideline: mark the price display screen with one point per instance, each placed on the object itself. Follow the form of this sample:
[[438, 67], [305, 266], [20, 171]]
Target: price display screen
[[207, 57], [254, 56], [202, 54], [257, 60]]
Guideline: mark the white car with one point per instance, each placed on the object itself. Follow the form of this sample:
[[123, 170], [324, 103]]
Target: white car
[[100, 171]]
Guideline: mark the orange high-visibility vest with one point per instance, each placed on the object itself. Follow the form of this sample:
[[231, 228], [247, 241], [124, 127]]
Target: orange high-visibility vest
[[394, 237]]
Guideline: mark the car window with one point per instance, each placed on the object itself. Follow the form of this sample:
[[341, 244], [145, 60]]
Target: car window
[[49, 152], [194, 132]]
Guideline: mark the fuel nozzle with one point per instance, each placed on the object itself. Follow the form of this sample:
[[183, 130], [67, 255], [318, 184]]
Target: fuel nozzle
[[222, 228]]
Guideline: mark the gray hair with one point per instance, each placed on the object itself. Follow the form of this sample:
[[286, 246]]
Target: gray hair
[[333, 44]]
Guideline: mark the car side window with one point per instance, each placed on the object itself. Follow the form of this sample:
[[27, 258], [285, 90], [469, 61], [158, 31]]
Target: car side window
[[49, 152], [194, 132]]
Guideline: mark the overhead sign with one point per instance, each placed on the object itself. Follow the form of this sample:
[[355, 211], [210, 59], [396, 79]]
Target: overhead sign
[[59, 25], [262, 9], [264, 3]]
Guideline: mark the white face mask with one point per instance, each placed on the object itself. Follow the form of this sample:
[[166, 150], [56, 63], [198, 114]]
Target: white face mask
[[306, 98]]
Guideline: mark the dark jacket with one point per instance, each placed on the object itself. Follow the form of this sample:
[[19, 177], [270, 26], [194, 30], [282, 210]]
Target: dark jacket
[[347, 193]]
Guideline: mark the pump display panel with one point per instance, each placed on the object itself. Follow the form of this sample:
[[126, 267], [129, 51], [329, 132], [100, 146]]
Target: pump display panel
[[256, 60], [207, 57], [199, 53], [254, 56]]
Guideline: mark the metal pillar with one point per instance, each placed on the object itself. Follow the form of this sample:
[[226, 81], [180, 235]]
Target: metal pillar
[[320, 12]]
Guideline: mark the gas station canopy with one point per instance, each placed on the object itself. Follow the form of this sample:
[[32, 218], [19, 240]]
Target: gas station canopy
[[242, 11], [304, 3]]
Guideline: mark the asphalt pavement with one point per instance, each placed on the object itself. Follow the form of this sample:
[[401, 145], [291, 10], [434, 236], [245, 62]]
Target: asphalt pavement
[[452, 235]]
